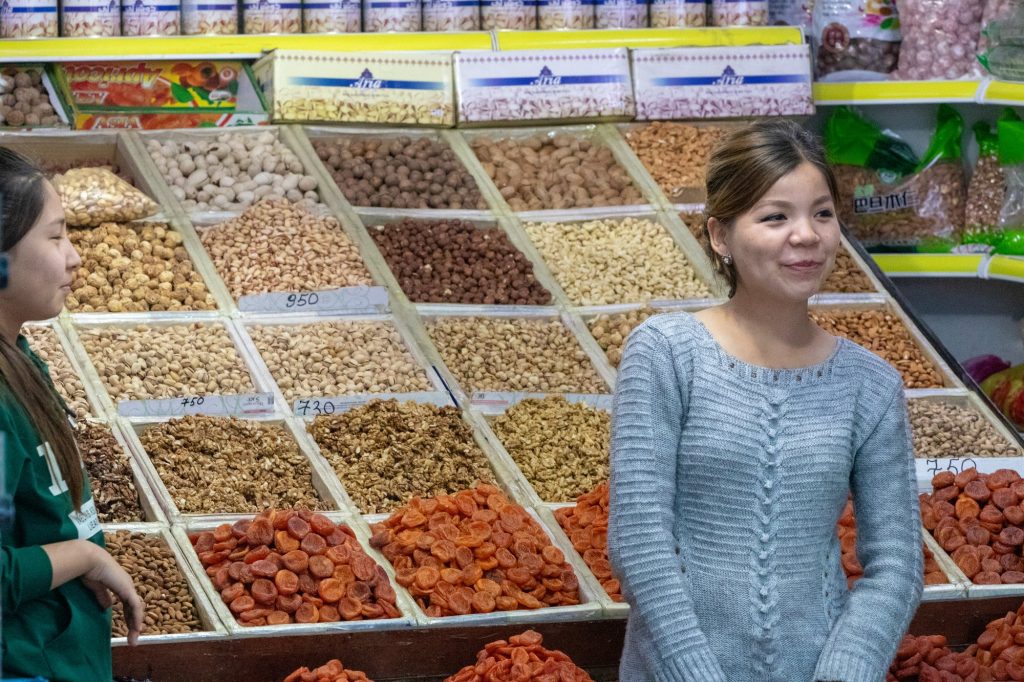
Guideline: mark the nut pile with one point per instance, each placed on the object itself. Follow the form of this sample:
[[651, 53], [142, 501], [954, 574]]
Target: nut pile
[[218, 465], [92, 196], [986, 193], [946, 430], [294, 566], [846, 529], [979, 520], [170, 608], [676, 154], [142, 363], [611, 331], [555, 172], [24, 101], [338, 358], [277, 246], [386, 452], [453, 261], [135, 268], [882, 332], [232, 171], [586, 524], [331, 671], [497, 354], [846, 276], [561, 447], [600, 262], [402, 172], [474, 552], [520, 658], [44, 342], [694, 221], [110, 474]]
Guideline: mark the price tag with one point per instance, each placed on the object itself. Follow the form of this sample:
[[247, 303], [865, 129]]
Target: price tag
[[928, 468], [345, 300], [312, 407], [491, 402], [242, 405]]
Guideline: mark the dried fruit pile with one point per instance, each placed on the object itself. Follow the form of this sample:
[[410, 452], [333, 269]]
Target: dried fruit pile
[[294, 566], [474, 552], [332, 671], [586, 524], [520, 658]]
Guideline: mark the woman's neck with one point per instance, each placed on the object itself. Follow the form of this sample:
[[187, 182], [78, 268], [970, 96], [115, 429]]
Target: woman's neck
[[786, 321], [10, 329]]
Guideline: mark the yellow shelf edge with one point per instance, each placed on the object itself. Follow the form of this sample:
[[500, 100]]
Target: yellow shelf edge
[[1007, 267], [1003, 92], [897, 91], [650, 37], [928, 263], [236, 46]]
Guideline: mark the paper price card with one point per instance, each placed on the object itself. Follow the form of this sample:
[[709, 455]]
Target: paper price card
[[352, 300], [490, 402], [312, 407], [245, 404]]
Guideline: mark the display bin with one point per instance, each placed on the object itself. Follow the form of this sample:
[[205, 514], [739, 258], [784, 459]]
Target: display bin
[[509, 480], [289, 404], [94, 393], [213, 627], [958, 582], [683, 240], [487, 407], [324, 483], [589, 608], [261, 384], [464, 394], [542, 274], [595, 134], [235, 630]]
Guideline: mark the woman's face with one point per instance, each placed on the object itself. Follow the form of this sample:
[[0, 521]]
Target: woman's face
[[41, 266], [785, 245]]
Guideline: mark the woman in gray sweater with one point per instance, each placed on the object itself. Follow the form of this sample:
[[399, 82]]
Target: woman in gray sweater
[[738, 434]]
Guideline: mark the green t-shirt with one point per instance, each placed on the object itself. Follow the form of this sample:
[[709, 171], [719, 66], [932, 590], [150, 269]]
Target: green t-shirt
[[61, 634]]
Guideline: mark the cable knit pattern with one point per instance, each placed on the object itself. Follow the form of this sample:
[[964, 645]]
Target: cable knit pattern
[[727, 482]]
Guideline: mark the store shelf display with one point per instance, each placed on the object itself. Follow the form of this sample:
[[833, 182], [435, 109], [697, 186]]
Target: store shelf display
[[676, 154], [120, 489], [45, 340], [953, 427]]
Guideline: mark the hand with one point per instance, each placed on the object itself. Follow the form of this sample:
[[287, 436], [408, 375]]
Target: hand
[[107, 576]]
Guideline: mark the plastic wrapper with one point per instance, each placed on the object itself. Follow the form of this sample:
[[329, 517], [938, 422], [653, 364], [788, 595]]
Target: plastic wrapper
[[516, 15], [150, 17], [333, 16], [209, 17], [888, 197], [790, 12], [850, 37], [995, 11], [84, 18], [1011, 158], [986, 192], [565, 14], [271, 16], [1002, 43], [451, 15], [940, 38], [28, 19], [678, 13], [620, 14], [92, 196], [739, 13], [380, 16]]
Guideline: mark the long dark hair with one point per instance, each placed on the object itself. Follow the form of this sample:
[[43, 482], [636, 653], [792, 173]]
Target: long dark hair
[[22, 187]]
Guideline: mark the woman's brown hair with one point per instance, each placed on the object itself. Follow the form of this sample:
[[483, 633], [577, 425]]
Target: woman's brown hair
[[745, 166], [22, 187]]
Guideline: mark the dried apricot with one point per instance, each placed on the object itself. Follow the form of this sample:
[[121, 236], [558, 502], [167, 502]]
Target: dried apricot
[[260, 532], [264, 591], [307, 613]]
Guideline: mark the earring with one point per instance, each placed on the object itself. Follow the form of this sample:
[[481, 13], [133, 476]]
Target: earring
[[727, 259]]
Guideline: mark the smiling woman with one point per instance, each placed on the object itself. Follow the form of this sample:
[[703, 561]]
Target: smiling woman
[[55, 576], [733, 569]]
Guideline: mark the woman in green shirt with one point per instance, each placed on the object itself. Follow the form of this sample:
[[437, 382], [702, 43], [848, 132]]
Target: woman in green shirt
[[56, 578]]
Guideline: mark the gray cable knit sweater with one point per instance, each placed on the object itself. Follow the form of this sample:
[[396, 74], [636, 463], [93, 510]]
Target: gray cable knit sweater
[[727, 481]]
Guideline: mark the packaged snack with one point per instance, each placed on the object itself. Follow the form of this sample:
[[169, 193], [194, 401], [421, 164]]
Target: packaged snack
[[940, 38], [862, 39], [271, 16], [209, 17], [739, 12], [150, 17], [679, 13], [1011, 157], [28, 19], [790, 12], [332, 16], [565, 14], [451, 15], [403, 16], [620, 14], [83, 18], [986, 192], [517, 15], [92, 196]]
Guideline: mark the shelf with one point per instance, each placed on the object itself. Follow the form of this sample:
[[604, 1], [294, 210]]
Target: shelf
[[648, 37], [1002, 92], [929, 264], [239, 47], [1006, 267], [900, 92]]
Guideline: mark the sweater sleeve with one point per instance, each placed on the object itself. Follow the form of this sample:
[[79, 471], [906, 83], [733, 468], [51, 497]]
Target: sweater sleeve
[[648, 412], [863, 641]]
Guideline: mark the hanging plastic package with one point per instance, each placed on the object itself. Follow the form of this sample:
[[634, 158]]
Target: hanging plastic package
[[790, 12], [986, 191], [940, 38], [855, 41], [1003, 53], [1011, 158], [886, 196]]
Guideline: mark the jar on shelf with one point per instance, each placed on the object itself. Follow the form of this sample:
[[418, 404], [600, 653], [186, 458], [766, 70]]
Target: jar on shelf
[[513, 15], [451, 15], [620, 14], [271, 16], [150, 17], [86, 18], [402, 16], [739, 12], [336, 16], [28, 19], [679, 13], [209, 17], [565, 14]]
